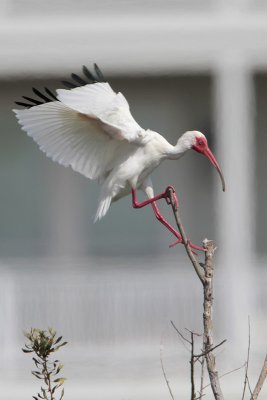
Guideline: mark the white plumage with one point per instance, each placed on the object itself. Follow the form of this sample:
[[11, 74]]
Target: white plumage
[[91, 129]]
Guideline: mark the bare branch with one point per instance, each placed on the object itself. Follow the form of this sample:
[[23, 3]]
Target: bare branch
[[180, 334], [192, 369], [211, 349], [247, 363], [226, 373], [194, 333], [186, 242], [165, 376], [206, 279], [202, 378], [261, 380], [207, 320], [200, 396]]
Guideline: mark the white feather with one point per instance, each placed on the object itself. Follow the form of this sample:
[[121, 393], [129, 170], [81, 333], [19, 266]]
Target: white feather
[[86, 129], [89, 99], [70, 138], [99, 101], [103, 207]]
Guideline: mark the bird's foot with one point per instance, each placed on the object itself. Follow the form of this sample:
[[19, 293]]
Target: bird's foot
[[193, 246], [170, 196], [178, 241]]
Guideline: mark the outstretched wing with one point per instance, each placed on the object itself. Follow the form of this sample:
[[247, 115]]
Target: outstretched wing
[[100, 102], [87, 129]]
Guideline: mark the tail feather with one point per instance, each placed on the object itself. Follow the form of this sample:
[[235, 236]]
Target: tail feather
[[103, 207]]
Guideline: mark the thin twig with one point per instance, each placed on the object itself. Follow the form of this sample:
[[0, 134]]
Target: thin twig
[[194, 333], [164, 374], [261, 380], [249, 387], [180, 334], [202, 378], [211, 349], [226, 373], [192, 358], [200, 396], [201, 391], [247, 363], [192, 369]]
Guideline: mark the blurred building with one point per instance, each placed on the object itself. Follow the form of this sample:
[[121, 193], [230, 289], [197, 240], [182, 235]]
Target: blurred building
[[182, 65]]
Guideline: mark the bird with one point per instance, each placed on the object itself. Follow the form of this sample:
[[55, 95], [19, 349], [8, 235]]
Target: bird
[[89, 127]]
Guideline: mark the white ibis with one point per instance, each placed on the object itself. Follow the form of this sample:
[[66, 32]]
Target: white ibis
[[89, 127]]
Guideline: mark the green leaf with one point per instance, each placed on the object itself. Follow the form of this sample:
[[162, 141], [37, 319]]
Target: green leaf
[[62, 394], [60, 345], [59, 368], [36, 376], [37, 363], [60, 381], [58, 339], [53, 390], [36, 372], [44, 393]]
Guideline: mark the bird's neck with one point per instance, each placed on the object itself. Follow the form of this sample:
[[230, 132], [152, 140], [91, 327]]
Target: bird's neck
[[179, 149]]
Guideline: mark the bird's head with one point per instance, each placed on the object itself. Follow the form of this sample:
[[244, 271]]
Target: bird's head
[[198, 142]]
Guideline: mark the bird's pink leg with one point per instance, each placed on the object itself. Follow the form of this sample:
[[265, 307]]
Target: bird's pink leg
[[161, 219], [179, 240], [165, 195], [159, 216]]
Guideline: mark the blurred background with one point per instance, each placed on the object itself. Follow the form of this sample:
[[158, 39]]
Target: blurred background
[[112, 288]]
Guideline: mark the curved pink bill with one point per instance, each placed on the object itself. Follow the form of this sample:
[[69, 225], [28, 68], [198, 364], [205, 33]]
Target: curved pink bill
[[207, 152]]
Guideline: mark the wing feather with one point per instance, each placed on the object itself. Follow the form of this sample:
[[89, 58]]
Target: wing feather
[[90, 128], [91, 99], [99, 101], [69, 139]]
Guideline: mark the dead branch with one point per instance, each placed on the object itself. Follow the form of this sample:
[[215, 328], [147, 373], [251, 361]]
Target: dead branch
[[186, 242], [192, 368], [207, 319], [206, 279], [247, 363], [165, 375], [211, 349], [200, 396], [201, 391], [193, 358], [180, 334], [261, 380], [226, 373]]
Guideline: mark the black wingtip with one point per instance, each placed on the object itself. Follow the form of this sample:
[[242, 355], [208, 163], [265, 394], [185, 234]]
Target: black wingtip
[[99, 73], [51, 94], [68, 85], [34, 101], [42, 98], [19, 103], [78, 79], [91, 78], [41, 95]]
